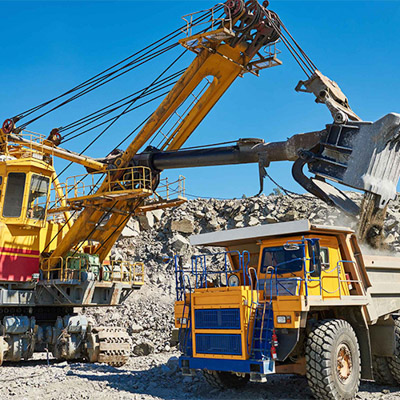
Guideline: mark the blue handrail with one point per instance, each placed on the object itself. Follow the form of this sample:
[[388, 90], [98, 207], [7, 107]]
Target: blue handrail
[[201, 271]]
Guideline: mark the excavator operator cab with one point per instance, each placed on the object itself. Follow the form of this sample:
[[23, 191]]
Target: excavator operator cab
[[24, 187]]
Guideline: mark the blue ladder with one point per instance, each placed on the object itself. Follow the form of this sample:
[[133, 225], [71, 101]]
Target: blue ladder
[[263, 328], [185, 334]]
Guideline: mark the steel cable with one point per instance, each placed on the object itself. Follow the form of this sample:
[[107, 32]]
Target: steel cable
[[93, 114], [96, 86], [305, 60], [126, 110], [100, 76]]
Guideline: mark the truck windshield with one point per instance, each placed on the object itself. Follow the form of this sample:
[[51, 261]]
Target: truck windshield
[[286, 260]]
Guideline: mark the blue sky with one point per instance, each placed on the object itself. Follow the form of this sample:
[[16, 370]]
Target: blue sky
[[50, 46]]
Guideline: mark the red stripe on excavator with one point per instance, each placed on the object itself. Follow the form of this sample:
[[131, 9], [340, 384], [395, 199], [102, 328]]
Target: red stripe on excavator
[[18, 267]]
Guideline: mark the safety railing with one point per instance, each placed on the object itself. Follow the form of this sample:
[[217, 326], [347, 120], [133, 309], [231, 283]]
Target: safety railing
[[338, 268], [271, 50], [66, 269], [27, 144], [267, 58], [123, 271], [198, 275], [203, 274], [115, 181], [167, 190], [77, 268], [215, 17], [184, 291], [186, 322]]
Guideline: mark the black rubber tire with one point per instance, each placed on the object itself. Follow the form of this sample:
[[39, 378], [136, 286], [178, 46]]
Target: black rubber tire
[[394, 362], [382, 373], [225, 380], [325, 340]]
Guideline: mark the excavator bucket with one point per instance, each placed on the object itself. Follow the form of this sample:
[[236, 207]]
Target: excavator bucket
[[361, 155]]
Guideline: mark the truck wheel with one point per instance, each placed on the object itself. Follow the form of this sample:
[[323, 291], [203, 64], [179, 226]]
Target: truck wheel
[[382, 374], [333, 360], [394, 362], [225, 380]]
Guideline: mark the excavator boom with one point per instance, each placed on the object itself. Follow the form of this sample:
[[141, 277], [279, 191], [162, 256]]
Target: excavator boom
[[228, 50]]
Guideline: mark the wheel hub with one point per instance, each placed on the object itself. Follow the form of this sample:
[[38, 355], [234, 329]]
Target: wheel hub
[[344, 363]]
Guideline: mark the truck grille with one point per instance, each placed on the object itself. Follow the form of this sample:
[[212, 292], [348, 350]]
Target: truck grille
[[218, 344], [227, 318]]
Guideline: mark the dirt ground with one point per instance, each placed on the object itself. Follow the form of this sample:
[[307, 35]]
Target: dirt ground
[[151, 377]]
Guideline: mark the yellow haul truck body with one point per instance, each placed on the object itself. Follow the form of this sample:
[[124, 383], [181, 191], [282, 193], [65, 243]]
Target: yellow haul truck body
[[288, 298]]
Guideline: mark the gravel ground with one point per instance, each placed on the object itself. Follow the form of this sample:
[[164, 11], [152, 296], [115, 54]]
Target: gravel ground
[[148, 313], [152, 377]]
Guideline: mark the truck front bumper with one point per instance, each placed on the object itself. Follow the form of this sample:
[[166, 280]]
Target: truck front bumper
[[262, 367]]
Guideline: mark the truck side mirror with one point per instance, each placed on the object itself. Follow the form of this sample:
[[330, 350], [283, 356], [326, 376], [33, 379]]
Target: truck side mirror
[[314, 253]]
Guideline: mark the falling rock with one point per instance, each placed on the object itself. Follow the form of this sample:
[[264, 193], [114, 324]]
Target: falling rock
[[146, 220], [143, 349], [133, 223], [179, 241], [184, 225]]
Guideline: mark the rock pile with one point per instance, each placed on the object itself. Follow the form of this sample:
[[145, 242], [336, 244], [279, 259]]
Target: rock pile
[[151, 238]]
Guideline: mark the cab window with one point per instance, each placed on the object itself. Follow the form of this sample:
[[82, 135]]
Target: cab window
[[38, 197], [285, 260], [14, 194], [324, 253]]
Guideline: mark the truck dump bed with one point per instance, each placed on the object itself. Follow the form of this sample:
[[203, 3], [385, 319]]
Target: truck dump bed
[[384, 275]]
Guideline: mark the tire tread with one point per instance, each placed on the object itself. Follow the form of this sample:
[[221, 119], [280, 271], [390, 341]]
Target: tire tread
[[318, 358]]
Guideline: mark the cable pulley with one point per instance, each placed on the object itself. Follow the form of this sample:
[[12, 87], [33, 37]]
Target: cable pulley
[[8, 126]]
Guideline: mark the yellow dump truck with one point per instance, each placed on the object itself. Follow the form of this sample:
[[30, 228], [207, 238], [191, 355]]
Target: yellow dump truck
[[293, 298]]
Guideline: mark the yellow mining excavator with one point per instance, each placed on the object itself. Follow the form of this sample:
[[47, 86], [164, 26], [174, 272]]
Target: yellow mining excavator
[[56, 237]]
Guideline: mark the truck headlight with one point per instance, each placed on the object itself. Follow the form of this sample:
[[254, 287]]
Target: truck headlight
[[284, 319], [233, 280]]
